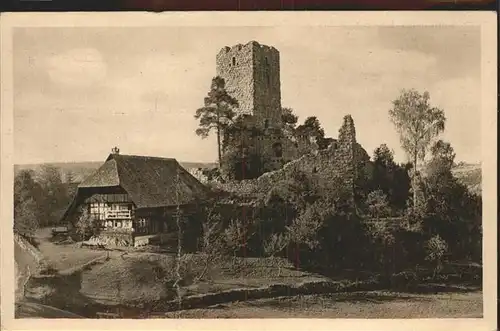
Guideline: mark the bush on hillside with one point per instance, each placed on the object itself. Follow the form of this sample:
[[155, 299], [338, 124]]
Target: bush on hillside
[[452, 211], [436, 249], [404, 281], [25, 218], [86, 226], [312, 221]]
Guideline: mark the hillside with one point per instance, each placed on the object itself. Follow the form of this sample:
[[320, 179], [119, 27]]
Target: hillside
[[469, 175], [81, 170]]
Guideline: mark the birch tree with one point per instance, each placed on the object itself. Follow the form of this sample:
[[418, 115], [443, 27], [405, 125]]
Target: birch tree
[[418, 124]]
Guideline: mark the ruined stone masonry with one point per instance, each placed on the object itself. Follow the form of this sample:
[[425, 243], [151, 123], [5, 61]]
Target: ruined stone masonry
[[344, 159], [252, 76]]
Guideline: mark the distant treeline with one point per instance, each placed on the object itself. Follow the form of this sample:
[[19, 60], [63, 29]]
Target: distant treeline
[[78, 171], [40, 198]]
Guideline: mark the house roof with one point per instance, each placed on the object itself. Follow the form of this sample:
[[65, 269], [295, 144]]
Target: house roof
[[105, 176], [149, 181]]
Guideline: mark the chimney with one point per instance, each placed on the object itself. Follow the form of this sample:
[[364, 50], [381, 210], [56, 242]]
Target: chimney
[[115, 150]]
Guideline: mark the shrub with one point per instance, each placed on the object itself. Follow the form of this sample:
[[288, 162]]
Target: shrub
[[378, 205], [405, 280], [47, 269], [276, 243], [86, 226], [238, 234], [304, 229], [436, 249], [25, 218]]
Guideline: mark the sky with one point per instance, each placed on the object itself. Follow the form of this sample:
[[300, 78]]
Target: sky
[[80, 91]]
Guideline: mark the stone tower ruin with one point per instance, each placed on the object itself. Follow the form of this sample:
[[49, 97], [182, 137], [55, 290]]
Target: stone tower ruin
[[252, 76]]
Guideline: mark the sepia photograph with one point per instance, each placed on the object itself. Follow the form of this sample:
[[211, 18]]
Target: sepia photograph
[[230, 170]]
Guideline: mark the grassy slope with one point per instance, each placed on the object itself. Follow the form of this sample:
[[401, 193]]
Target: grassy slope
[[63, 257], [142, 277], [131, 276], [23, 307], [23, 261], [469, 175], [147, 277]]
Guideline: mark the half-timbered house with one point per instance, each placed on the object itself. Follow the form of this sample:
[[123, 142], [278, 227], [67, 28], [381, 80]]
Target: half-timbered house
[[137, 198]]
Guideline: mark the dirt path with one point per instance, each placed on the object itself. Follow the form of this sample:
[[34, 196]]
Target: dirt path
[[23, 258], [35, 310], [24, 264], [62, 257], [377, 304]]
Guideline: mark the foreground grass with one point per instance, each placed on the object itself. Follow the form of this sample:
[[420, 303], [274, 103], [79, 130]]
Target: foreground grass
[[140, 279], [147, 277], [376, 304], [136, 277], [63, 257]]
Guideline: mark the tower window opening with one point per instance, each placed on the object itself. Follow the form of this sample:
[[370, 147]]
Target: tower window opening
[[234, 61], [266, 123], [278, 150]]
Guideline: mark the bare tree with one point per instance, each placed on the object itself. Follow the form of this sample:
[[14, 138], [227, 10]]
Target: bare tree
[[213, 244], [237, 235]]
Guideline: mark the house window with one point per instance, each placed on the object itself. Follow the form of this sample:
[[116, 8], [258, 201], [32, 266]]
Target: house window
[[141, 223], [98, 210]]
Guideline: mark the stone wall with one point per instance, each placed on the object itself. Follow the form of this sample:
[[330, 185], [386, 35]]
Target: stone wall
[[198, 174], [267, 85], [235, 65], [345, 165], [344, 159], [252, 76], [117, 238], [267, 147]]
